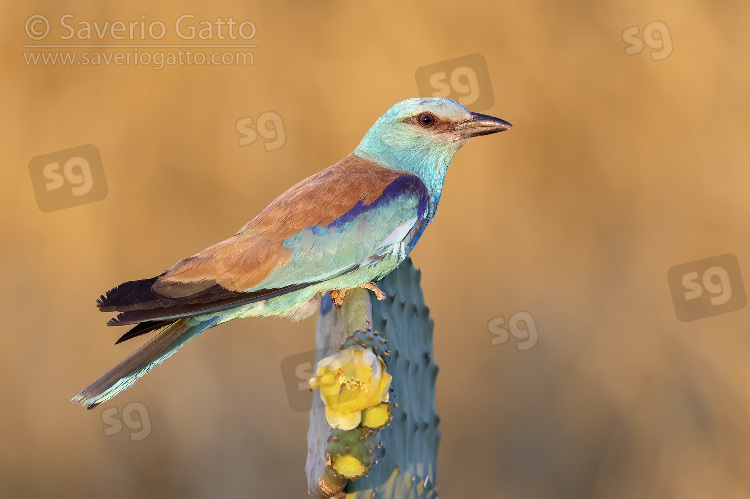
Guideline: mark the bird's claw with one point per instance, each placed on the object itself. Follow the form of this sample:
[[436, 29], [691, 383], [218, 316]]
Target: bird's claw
[[337, 295], [375, 289]]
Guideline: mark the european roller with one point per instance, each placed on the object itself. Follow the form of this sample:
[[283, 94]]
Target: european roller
[[342, 228]]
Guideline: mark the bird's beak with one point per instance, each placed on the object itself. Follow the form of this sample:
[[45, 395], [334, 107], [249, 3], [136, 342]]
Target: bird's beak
[[481, 124]]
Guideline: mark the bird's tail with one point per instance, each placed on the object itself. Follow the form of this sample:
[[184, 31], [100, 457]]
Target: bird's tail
[[156, 351]]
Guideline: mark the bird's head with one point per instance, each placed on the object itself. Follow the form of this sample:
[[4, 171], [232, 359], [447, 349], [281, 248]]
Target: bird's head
[[421, 135]]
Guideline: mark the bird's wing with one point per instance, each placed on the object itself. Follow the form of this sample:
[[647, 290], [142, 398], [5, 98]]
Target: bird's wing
[[324, 226]]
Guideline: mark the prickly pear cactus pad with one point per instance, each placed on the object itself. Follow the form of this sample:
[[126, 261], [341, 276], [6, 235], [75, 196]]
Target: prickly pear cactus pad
[[390, 451], [409, 465], [352, 452], [371, 340]]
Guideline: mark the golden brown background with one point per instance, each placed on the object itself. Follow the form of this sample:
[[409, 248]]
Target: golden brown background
[[617, 168]]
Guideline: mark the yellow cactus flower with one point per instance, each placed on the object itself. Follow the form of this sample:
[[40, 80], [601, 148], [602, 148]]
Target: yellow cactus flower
[[377, 417], [349, 466], [350, 381]]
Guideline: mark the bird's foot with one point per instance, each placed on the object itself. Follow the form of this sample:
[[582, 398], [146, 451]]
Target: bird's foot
[[337, 295], [375, 289]]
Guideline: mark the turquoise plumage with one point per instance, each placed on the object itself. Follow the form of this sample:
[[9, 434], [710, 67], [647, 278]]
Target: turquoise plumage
[[344, 227]]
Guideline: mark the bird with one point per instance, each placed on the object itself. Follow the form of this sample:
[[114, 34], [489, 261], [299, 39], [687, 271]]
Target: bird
[[344, 227]]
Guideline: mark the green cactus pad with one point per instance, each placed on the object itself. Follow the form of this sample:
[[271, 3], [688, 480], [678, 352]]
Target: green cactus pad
[[371, 340], [408, 468], [352, 452]]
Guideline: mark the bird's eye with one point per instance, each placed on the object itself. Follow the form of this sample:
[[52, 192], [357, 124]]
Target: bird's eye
[[426, 120]]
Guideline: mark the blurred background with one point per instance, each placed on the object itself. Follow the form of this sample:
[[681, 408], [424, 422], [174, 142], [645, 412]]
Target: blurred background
[[628, 157]]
